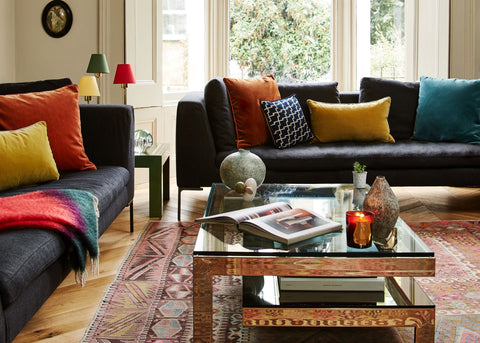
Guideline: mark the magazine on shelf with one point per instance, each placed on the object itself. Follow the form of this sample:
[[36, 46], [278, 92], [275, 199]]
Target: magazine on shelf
[[352, 297], [277, 221], [289, 283]]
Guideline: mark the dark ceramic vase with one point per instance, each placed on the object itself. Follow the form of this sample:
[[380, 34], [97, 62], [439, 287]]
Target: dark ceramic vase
[[384, 204]]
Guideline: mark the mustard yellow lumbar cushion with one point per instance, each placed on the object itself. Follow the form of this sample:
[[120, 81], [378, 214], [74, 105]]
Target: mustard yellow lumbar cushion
[[26, 157], [351, 122]]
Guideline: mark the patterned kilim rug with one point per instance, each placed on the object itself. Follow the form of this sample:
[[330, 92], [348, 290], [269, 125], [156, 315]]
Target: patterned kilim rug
[[151, 298]]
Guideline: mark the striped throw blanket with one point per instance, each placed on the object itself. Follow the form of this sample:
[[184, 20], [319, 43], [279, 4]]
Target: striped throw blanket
[[70, 212]]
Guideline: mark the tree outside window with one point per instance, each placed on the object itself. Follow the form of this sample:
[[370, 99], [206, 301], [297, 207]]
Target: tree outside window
[[292, 39]]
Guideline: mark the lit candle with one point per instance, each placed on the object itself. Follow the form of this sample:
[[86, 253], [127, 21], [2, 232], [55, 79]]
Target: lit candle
[[359, 229]]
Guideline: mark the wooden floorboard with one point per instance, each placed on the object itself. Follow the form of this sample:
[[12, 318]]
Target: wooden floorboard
[[66, 314]]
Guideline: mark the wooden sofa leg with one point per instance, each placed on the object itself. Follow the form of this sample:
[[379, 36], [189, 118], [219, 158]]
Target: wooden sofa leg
[[131, 216]]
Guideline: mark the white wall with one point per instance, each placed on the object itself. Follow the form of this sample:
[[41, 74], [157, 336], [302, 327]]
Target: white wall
[[7, 41], [39, 56]]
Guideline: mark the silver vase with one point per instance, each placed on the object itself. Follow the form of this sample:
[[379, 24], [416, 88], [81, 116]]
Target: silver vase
[[384, 204]]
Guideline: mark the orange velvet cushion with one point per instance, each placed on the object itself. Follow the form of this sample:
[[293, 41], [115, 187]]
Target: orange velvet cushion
[[59, 109], [245, 96]]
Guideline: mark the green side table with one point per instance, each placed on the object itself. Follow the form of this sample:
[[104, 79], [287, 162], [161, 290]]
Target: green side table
[[157, 160]]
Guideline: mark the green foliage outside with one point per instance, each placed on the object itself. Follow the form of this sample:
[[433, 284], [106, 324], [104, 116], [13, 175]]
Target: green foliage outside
[[292, 39], [387, 38]]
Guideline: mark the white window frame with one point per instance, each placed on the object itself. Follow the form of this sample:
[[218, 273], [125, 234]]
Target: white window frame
[[433, 12]]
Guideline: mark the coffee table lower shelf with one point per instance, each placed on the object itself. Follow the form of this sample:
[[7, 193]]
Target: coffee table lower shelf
[[399, 310]]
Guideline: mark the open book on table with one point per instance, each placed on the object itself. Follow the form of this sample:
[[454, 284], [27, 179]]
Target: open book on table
[[277, 221]]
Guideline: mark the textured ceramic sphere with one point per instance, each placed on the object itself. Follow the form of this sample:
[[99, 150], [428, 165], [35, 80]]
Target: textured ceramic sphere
[[240, 166], [384, 204]]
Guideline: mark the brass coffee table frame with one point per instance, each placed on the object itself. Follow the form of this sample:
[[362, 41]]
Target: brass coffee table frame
[[206, 266]]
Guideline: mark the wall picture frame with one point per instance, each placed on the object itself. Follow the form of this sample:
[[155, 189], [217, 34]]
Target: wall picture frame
[[57, 18]]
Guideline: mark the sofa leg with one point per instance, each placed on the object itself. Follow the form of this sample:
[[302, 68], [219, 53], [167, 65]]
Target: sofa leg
[[131, 216], [179, 207]]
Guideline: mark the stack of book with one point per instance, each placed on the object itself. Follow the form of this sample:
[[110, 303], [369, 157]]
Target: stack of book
[[353, 290]]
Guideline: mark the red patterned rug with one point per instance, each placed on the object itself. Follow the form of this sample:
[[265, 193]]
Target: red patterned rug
[[151, 298]]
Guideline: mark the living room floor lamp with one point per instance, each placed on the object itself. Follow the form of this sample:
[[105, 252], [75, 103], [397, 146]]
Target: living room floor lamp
[[88, 87], [124, 76]]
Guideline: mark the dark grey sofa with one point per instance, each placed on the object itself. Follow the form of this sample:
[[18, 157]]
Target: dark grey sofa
[[205, 134], [34, 262]]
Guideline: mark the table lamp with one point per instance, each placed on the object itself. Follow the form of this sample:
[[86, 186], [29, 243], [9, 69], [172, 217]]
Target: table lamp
[[124, 76], [88, 87], [98, 65]]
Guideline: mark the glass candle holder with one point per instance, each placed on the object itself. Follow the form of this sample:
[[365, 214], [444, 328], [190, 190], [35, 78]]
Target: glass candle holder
[[359, 229]]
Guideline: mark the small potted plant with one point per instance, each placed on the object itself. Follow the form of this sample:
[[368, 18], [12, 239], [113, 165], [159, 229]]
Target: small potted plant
[[359, 175]]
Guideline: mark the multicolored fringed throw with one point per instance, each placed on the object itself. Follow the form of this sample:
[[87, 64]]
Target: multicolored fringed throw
[[73, 213]]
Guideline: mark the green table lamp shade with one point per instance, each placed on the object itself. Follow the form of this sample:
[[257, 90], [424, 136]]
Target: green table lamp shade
[[98, 65]]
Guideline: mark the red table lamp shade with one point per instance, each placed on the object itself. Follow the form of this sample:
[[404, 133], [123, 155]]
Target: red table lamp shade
[[124, 74]]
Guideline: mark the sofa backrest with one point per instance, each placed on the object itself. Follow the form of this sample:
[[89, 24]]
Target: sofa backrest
[[34, 86], [319, 91], [403, 108], [220, 114], [401, 118]]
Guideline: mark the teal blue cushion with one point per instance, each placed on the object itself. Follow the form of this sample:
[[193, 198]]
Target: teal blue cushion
[[448, 110]]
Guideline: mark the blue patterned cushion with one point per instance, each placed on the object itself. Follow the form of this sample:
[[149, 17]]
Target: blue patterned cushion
[[287, 122]]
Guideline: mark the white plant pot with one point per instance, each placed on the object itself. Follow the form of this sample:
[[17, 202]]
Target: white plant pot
[[359, 180]]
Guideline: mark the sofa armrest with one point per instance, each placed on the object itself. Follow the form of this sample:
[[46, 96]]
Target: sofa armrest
[[108, 136], [195, 147], [3, 331]]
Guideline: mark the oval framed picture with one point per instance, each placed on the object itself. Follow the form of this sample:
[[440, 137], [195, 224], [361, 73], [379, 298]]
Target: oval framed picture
[[57, 18]]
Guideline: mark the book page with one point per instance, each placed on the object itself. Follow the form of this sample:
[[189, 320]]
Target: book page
[[242, 215], [293, 225]]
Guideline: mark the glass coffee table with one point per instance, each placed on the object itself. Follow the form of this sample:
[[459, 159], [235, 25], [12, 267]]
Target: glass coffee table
[[223, 250]]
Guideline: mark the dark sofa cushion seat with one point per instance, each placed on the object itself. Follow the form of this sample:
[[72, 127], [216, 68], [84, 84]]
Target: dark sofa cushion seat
[[403, 108], [26, 253], [105, 183], [408, 154]]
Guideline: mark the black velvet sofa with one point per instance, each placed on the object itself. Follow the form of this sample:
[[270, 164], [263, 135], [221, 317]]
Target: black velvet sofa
[[205, 135], [33, 261]]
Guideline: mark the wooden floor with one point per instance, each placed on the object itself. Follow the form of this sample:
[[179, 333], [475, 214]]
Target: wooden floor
[[68, 312]]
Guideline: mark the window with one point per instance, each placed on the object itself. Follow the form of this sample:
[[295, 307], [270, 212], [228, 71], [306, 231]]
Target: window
[[183, 46], [291, 39], [381, 48], [312, 40]]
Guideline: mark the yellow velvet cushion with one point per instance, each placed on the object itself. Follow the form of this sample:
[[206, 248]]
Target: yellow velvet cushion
[[350, 122], [26, 157]]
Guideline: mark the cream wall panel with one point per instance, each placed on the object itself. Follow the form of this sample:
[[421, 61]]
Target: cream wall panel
[[160, 122], [143, 20], [464, 34], [7, 41], [112, 44]]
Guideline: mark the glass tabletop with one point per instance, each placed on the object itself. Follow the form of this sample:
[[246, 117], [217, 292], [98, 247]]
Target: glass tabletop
[[329, 200]]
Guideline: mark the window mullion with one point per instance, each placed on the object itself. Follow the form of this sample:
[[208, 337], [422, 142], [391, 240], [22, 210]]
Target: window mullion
[[344, 44]]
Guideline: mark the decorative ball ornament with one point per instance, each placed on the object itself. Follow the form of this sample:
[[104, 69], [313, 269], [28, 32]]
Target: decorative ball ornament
[[240, 166], [143, 141]]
